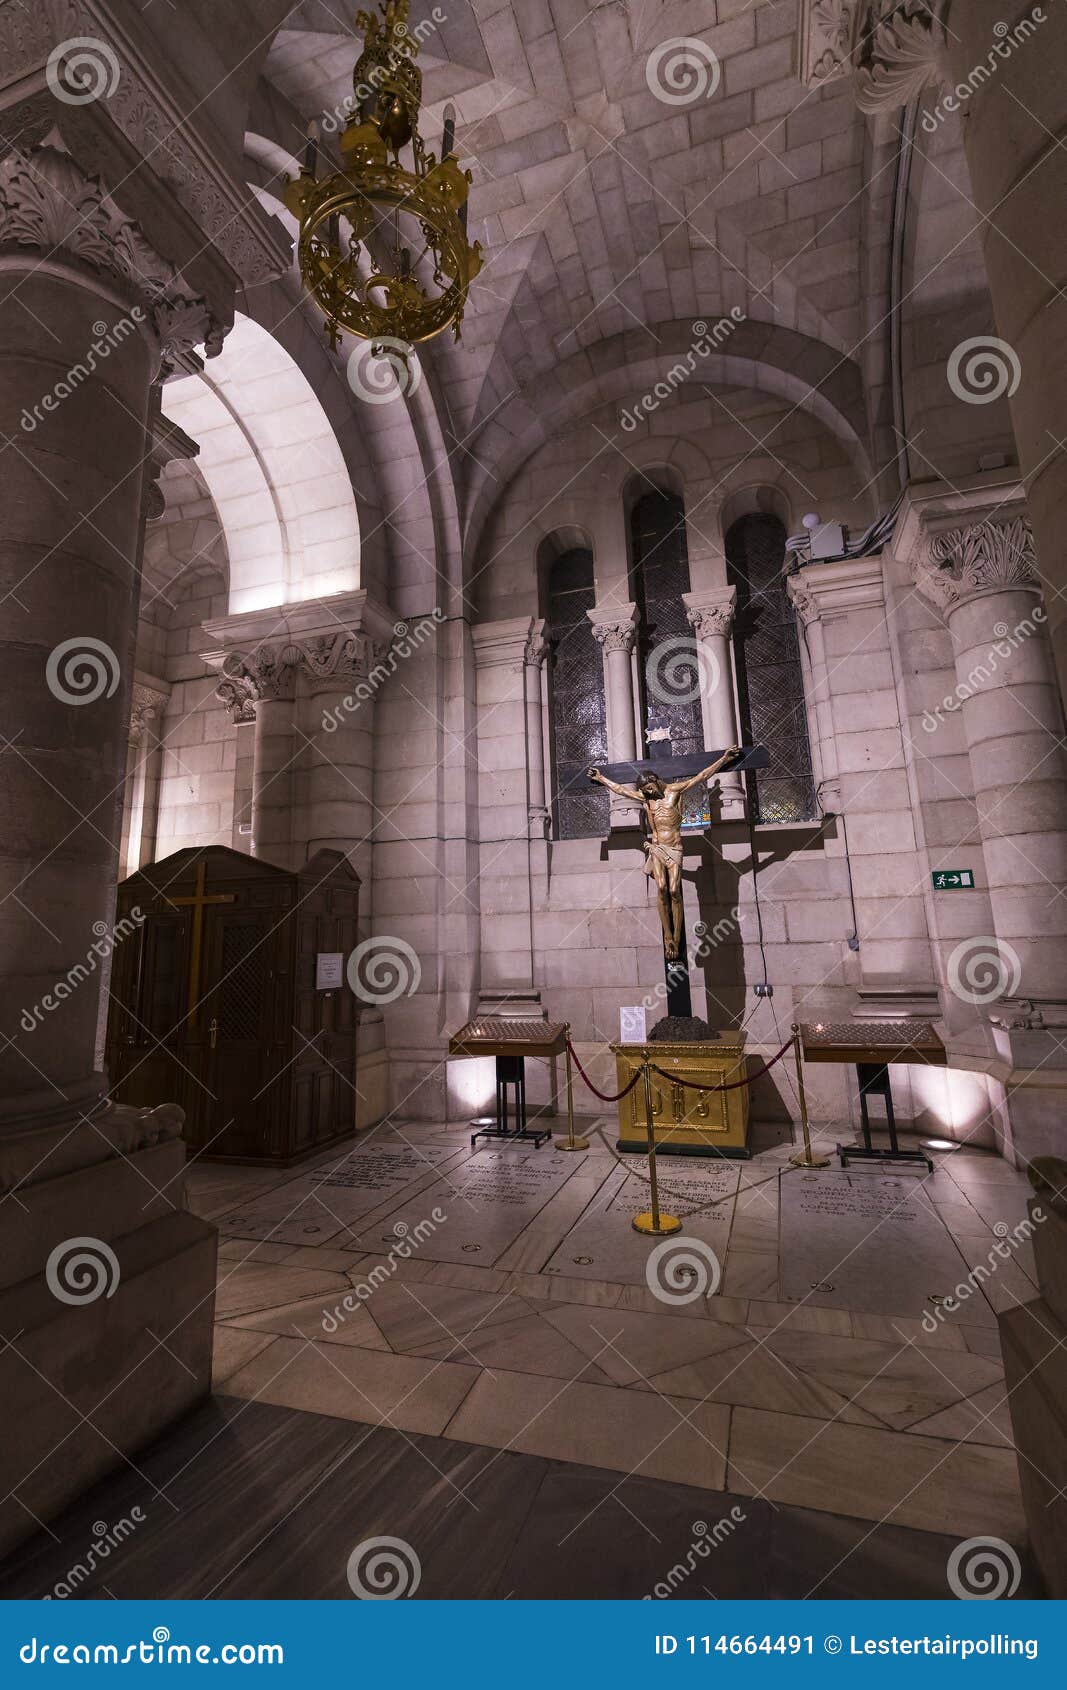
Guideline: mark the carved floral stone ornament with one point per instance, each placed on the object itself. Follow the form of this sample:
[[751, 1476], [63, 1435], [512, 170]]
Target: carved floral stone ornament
[[148, 706], [986, 557], [269, 672], [893, 49], [615, 636], [710, 620], [49, 205], [135, 112]]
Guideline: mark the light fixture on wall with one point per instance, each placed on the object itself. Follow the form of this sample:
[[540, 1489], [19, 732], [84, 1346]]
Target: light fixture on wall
[[383, 248]]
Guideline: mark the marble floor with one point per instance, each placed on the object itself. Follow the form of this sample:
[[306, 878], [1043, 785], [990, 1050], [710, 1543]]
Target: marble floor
[[792, 1347], [242, 1500]]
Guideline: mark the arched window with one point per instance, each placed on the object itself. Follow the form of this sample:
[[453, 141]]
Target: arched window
[[576, 698], [668, 669], [770, 686]]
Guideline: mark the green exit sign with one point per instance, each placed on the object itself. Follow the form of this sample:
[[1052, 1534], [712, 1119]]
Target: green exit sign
[[953, 879]]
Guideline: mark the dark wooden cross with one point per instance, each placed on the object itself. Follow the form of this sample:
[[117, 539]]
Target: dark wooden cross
[[676, 973], [198, 902]]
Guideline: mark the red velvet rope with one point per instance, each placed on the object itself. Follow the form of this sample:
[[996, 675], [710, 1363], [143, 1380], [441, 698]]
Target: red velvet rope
[[616, 1097], [605, 1097], [734, 1084]]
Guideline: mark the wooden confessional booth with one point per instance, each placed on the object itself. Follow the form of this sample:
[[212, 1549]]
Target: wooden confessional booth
[[231, 999]]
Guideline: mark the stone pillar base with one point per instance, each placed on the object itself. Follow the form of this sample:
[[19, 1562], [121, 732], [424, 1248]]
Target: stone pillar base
[[1033, 1339], [88, 1384], [107, 1302]]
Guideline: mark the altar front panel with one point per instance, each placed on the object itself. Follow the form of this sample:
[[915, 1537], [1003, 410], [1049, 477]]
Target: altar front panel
[[685, 1117]]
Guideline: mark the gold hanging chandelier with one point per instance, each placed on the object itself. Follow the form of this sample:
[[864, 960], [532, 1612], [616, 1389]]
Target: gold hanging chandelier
[[361, 225]]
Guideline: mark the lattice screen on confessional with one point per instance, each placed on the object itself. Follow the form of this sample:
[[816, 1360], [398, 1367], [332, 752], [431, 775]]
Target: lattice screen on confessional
[[245, 959], [770, 684]]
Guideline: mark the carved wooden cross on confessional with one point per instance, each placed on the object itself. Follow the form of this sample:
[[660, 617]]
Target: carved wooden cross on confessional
[[198, 902], [627, 779]]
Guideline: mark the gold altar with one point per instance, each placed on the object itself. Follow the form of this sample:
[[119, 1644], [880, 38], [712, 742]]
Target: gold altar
[[686, 1121]]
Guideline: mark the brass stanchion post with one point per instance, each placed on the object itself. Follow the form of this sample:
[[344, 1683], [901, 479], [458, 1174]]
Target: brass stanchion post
[[570, 1142], [804, 1158], [652, 1220]]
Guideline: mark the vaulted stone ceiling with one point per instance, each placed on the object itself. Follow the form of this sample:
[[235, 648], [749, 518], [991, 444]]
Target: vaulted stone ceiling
[[609, 200]]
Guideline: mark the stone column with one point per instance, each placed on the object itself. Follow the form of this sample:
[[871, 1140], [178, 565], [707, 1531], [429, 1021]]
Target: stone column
[[983, 577], [711, 617], [144, 773], [259, 687], [820, 709], [536, 651], [872, 849], [80, 346], [1012, 123], [88, 310], [1018, 168], [615, 631], [341, 677]]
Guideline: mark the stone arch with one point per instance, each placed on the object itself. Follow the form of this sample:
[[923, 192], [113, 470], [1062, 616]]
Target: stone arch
[[807, 374], [275, 472], [759, 486], [555, 543]]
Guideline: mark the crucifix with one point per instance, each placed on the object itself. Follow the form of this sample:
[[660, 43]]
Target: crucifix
[[659, 788], [198, 902]]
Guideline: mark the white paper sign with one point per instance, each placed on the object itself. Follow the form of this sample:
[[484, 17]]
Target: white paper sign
[[633, 1025], [329, 970]]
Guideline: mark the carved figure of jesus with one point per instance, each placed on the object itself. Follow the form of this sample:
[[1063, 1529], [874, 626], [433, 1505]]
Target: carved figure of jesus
[[662, 804]]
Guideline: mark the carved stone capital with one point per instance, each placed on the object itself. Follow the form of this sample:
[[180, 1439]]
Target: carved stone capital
[[892, 49], [49, 207], [826, 38], [343, 656], [537, 648], [615, 636], [246, 680], [147, 708], [986, 557], [133, 109], [805, 602], [711, 621]]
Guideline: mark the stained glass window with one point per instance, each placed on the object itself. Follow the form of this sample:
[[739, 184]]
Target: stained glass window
[[576, 699], [670, 674], [770, 683]]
